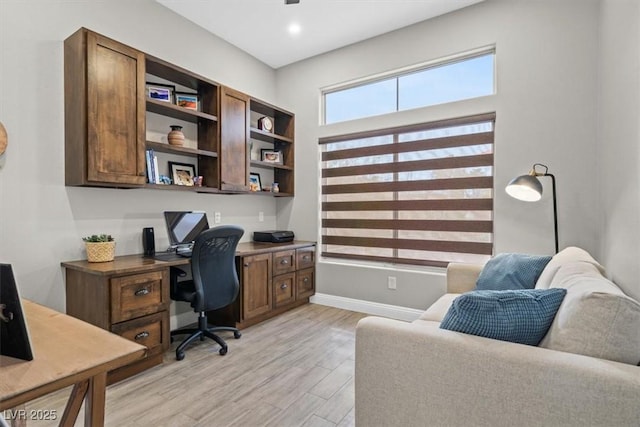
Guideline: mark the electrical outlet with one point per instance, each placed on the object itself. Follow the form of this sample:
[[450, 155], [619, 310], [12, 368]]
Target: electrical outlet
[[217, 217], [261, 216], [391, 282]]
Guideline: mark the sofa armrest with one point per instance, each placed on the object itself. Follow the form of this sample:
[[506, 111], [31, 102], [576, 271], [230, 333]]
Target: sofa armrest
[[415, 374], [461, 277]]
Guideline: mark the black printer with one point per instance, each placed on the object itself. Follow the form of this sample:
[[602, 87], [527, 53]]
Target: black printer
[[273, 236]]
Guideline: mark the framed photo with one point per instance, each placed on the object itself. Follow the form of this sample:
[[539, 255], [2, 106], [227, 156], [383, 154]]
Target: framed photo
[[254, 182], [182, 173], [188, 100], [270, 156], [160, 92]]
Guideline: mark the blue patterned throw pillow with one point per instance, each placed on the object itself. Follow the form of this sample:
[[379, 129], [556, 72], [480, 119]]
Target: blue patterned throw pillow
[[522, 316], [512, 271]]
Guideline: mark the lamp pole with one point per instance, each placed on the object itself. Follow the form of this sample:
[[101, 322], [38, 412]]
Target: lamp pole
[[555, 207]]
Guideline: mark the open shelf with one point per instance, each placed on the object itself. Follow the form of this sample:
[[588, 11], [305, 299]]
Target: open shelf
[[269, 136], [173, 149], [180, 113], [259, 164]]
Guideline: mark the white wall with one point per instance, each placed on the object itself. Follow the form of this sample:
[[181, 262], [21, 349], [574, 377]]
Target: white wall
[[41, 220], [619, 141], [546, 112]]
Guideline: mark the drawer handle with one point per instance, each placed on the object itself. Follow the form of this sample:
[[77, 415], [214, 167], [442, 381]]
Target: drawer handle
[[305, 257], [305, 280], [284, 261], [141, 292], [283, 286], [246, 264], [141, 336]]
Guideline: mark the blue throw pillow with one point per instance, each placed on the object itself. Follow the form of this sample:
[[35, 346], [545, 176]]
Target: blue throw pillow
[[521, 316], [512, 271]]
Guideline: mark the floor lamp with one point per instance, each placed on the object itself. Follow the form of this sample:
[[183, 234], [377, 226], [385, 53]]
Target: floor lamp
[[529, 189]]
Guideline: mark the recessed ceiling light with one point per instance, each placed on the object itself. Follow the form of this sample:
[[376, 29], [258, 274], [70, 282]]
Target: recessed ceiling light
[[294, 28]]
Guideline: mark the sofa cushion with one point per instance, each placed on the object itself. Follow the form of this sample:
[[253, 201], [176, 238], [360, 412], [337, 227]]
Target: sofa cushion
[[511, 271], [521, 316], [565, 256], [596, 318], [438, 309]]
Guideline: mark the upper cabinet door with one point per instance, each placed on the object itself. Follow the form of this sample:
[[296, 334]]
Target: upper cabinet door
[[115, 112], [234, 140], [104, 104]]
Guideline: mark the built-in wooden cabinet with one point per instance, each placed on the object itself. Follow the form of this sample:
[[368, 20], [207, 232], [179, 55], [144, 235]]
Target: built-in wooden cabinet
[[129, 297], [234, 140], [104, 112], [273, 278], [109, 117]]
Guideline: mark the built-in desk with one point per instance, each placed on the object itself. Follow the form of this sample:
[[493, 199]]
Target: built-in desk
[[130, 295]]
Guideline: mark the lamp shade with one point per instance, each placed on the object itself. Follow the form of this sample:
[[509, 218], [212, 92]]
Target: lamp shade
[[526, 188]]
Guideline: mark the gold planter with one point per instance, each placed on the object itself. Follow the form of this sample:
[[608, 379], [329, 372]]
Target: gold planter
[[100, 251]]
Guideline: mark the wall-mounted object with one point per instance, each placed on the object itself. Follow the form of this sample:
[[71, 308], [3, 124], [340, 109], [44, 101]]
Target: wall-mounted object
[[4, 140]]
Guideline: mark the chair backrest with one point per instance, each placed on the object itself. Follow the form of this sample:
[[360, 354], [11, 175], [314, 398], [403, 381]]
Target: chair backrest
[[213, 267]]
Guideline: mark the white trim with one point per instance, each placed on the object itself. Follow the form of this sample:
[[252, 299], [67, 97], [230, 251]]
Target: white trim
[[369, 307]]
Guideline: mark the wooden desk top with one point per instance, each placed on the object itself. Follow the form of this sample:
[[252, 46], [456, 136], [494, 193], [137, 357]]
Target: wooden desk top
[[66, 350], [129, 264]]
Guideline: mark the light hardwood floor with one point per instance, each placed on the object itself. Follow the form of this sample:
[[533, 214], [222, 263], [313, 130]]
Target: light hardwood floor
[[293, 370]]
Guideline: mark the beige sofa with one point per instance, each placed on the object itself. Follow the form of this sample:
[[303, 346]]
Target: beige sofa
[[583, 373]]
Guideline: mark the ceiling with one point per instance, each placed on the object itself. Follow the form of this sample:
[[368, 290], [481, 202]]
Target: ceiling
[[261, 27]]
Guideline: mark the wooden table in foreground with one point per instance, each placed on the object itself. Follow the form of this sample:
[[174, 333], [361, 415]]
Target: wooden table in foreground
[[66, 352]]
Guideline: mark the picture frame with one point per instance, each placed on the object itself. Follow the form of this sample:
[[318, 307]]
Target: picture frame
[[190, 101], [161, 92], [182, 173], [254, 182], [271, 156]]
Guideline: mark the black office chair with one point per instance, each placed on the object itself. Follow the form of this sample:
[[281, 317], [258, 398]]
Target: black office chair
[[214, 284]]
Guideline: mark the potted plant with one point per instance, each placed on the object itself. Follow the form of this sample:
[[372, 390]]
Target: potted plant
[[100, 247]]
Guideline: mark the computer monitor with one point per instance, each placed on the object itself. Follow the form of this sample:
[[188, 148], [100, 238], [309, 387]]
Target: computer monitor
[[14, 334], [184, 226]]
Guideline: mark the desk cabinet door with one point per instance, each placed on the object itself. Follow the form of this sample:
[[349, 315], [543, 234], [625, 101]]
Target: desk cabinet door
[[256, 285]]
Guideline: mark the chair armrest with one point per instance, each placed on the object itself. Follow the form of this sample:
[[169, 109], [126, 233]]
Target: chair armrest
[[415, 374], [461, 277]]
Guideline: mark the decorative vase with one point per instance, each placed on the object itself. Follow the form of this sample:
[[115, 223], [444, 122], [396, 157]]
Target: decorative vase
[[100, 251], [176, 137]]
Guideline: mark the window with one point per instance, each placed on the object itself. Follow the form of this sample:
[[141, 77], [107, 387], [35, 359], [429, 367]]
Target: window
[[468, 77], [420, 194]]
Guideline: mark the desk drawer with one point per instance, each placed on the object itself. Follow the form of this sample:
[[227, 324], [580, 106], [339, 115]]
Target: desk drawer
[[151, 331], [284, 262], [305, 257], [305, 283], [284, 289], [139, 294]]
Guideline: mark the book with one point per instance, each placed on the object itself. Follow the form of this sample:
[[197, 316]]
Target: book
[[156, 174], [149, 161]]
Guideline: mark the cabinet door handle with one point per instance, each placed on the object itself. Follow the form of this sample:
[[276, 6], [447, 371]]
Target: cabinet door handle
[[305, 257], [284, 261], [283, 286], [305, 280], [142, 335], [246, 264], [141, 292]]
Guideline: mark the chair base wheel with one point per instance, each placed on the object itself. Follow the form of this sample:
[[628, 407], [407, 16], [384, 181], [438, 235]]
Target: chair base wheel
[[180, 355], [237, 334], [222, 351]]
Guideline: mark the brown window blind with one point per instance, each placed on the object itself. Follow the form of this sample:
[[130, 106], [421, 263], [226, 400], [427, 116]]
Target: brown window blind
[[419, 194]]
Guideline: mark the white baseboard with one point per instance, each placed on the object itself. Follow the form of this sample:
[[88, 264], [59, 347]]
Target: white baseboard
[[369, 307]]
